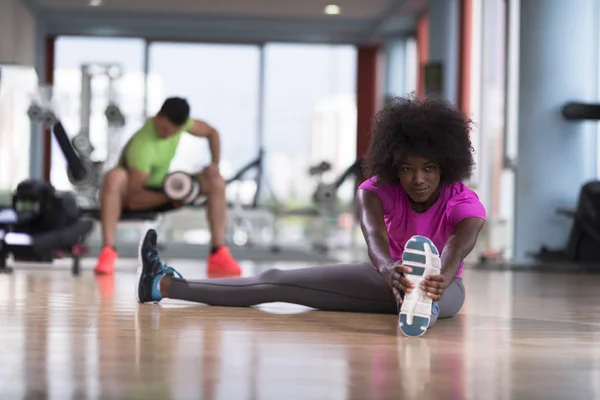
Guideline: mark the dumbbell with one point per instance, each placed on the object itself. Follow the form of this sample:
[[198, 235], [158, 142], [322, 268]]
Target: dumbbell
[[181, 187]]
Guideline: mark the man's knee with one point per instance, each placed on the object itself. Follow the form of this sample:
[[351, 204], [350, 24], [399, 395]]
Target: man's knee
[[115, 181], [211, 180]]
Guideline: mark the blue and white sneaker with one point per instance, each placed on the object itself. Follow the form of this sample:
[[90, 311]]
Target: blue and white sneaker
[[423, 257], [150, 270]]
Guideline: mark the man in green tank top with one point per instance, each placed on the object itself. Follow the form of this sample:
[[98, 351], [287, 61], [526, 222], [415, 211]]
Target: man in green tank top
[[135, 183]]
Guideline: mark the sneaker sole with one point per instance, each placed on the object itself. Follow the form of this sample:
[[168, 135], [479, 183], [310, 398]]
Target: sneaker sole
[[423, 257], [140, 269]]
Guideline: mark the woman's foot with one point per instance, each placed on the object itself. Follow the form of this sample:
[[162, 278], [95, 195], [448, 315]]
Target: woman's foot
[[423, 257], [150, 270]]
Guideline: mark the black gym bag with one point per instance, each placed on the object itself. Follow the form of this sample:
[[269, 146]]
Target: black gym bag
[[40, 208], [51, 218]]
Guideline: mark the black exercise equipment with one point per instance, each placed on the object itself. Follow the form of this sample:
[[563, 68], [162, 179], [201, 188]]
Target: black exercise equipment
[[42, 225], [583, 244], [576, 111], [80, 172], [258, 165], [584, 241], [326, 193], [324, 198], [77, 171]]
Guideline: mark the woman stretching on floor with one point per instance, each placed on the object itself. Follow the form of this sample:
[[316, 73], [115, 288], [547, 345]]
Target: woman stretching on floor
[[413, 204]]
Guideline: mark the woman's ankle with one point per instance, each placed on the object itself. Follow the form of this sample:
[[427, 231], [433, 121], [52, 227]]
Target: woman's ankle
[[164, 285]]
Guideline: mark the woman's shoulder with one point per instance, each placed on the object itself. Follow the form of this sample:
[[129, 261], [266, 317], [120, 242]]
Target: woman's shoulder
[[458, 190], [462, 201], [377, 184], [389, 194]]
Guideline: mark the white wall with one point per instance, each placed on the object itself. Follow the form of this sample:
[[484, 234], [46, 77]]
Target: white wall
[[17, 33]]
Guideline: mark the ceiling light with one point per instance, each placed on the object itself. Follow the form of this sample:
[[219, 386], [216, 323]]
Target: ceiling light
[[332, 9], [95, 3]]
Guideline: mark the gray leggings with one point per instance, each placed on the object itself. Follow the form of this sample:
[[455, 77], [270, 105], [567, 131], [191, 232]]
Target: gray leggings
[[350, 287]]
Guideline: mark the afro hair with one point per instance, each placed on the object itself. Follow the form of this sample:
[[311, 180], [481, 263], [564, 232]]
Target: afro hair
[[430, 128]]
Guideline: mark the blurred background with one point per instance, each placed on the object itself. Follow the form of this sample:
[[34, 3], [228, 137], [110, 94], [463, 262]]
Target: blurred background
[[295, 84]]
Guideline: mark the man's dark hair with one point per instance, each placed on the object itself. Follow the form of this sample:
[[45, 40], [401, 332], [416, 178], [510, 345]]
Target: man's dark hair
[[430, 128], [176, 109]]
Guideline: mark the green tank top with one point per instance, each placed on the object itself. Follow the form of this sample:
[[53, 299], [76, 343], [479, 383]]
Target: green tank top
[[146, 151]]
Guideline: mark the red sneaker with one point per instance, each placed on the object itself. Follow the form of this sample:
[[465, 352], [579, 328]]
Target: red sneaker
[[222, 263], [106, 261]]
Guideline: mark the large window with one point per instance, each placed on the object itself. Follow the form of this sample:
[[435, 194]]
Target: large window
[[74, 53], [310, 116], [17, 84], [221, 83], [296, 102]]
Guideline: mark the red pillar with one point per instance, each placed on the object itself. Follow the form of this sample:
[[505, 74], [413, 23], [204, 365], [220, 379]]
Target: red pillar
[[49, 72], [422, 53], [367, 95]]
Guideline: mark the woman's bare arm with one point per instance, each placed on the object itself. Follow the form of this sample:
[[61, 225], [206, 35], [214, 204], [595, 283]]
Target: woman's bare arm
[[373, 228]]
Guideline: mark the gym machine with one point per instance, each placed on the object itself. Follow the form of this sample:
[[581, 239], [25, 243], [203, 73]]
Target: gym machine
[[325, 195], [42, 228], [87, 192], [583, 244], [83, 173], [43, 111], [42, 224], [325, 200]]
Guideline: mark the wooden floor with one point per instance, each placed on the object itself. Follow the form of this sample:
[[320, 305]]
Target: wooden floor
[[519, 336]]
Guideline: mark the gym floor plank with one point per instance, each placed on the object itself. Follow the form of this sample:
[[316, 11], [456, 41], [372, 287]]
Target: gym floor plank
[[520, 335]]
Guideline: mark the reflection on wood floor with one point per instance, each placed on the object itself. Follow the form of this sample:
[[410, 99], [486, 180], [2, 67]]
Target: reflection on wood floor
[[519, 336]]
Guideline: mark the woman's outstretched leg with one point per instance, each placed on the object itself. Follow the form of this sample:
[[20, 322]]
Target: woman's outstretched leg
[[353, 288]]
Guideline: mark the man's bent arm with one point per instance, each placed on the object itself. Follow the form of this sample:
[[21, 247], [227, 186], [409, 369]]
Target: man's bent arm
[[139, 198], [202, 129]]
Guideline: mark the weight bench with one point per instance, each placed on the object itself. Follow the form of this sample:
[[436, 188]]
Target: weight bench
[[149, 219], [127, 215]]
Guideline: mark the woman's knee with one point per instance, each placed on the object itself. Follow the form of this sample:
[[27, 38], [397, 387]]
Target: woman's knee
[[452, 300], [271, 276]]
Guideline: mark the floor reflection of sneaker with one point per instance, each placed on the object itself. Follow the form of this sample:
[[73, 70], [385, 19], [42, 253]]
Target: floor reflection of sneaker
[[423, 257], [106, 286], [150, 270], [414, 358], [222, 264]]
